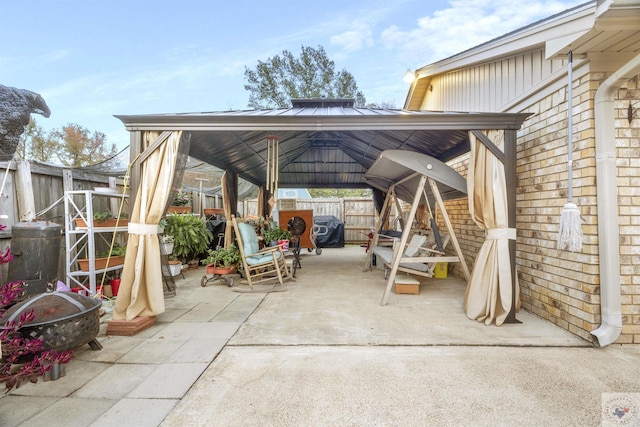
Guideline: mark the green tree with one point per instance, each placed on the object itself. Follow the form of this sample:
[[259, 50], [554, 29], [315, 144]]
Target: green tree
[[22, 151], [79, 147], [340, 192], [276, 81], [36, 144], [383, 104]]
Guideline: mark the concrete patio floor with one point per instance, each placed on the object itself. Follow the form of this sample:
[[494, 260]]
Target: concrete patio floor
[[325, 352]]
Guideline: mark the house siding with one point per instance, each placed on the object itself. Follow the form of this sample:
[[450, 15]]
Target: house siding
[[560, 286], [490, 86]]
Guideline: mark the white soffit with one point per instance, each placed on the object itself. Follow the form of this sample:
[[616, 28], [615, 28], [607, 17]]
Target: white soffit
[[558, 46]]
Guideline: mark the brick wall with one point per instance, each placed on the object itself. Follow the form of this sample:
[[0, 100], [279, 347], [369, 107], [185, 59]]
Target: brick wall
[[628, 164], [561, 286]]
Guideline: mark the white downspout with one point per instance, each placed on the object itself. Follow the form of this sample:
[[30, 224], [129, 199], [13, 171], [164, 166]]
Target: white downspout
[[607, 194]]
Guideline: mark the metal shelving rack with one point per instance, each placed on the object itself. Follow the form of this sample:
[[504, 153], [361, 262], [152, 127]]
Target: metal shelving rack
[[81, 240]]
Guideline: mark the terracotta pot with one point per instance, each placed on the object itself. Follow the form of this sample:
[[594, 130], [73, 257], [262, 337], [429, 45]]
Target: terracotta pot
[[179, 209], [107, 223], [101, 263], [220, 270], [213, 211]]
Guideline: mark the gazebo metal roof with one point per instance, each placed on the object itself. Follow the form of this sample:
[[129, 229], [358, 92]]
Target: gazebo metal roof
[[323, 143]]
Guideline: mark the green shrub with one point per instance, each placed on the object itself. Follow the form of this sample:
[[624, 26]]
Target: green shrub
[[275, 234], [223, 256], [190, 235], [117, 250]]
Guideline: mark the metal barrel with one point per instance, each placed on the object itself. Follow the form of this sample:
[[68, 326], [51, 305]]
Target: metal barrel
[[36, 249]]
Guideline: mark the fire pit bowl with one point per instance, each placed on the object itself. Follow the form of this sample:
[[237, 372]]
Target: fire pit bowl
[[63, 320]]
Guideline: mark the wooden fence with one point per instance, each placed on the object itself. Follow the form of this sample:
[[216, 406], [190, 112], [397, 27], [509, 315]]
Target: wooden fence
[[36, 191], [357, 213], [48, 184]]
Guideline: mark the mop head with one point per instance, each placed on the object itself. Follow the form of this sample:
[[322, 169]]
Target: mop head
[[570, 236]]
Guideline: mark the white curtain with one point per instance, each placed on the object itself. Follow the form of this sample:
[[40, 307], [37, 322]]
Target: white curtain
[[488, 297], [141, 290]]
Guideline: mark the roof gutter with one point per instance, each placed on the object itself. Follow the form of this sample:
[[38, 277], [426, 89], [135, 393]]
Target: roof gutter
[[607, 193]]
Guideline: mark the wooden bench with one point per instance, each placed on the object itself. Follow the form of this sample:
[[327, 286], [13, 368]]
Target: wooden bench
[[419, 257]]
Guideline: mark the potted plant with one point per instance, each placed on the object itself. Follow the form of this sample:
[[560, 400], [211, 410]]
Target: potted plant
[[161, 224], [180, 202], [115, 285], [104, 219], [191, 236], [109, 258], [276, 236], [174, 265], [166, 244], [222, 260]]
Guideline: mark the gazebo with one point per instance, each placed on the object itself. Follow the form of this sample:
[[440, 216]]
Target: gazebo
[[326, 143]]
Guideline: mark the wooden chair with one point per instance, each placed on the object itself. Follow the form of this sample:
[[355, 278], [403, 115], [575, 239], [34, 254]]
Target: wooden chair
[[263, 265]]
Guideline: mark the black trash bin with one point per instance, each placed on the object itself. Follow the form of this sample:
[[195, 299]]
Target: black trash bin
[[36, 250]]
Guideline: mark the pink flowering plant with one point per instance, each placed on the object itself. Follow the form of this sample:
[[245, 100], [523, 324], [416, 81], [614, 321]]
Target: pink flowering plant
[[23, 359]]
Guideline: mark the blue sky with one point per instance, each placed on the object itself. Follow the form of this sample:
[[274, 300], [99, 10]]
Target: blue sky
[[91, 59]]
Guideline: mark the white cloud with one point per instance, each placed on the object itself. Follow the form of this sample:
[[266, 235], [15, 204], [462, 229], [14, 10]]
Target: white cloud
[[73, 87], [467, 23], [357, 38]]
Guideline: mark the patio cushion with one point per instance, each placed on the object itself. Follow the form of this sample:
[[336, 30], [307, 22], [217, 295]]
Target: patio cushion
[[251, 247], [249, 238], [259, 259]]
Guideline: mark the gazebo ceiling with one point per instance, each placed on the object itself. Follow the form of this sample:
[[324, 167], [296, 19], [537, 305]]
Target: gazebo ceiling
[[323, 143]]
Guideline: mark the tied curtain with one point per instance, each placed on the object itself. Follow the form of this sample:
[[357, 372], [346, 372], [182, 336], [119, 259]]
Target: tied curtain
[[141, 290], [488, 296]]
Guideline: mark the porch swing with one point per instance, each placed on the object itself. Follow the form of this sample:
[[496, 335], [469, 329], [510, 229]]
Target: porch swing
[[414, 178]]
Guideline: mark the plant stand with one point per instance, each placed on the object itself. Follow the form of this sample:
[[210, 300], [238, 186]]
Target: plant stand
[[80, 240]]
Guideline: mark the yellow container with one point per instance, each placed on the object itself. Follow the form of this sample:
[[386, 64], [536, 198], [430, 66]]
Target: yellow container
[[440, 271]]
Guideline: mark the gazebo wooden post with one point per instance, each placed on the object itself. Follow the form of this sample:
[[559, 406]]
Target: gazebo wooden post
[[510, 142], [135, 142]]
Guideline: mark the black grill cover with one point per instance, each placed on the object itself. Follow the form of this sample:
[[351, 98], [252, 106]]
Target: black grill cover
[[217, 227], [334, 238]]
